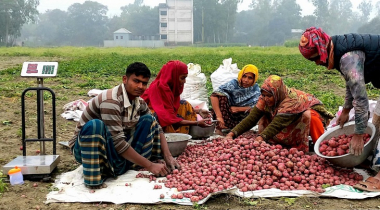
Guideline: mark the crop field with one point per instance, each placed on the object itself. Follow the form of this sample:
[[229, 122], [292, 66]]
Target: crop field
[[102, 68], [83, 69]]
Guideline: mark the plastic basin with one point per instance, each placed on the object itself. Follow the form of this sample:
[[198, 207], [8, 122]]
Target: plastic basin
[[177, 142], [198, 132]]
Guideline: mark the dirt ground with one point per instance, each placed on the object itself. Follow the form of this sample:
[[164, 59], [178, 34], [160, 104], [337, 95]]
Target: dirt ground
[[27, 196]]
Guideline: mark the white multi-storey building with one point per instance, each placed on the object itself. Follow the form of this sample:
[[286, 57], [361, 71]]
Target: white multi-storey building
[[176, 22]]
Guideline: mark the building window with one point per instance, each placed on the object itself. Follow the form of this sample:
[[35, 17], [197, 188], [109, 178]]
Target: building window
[[164, 12], [121, 37], [164, 25], [164, 36], [117, 37]]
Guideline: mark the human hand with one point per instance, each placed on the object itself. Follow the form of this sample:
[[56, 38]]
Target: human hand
[[343, 117], [204, 123], [158, 169], [171, 163], [259, 139], [235, 109], [221, 124], [204, 113], [356, 144], [230, 135]]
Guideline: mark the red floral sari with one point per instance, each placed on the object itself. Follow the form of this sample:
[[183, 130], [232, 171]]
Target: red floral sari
[[288, 101]]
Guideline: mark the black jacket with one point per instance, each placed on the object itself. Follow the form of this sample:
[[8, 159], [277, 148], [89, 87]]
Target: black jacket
[[369, 44]]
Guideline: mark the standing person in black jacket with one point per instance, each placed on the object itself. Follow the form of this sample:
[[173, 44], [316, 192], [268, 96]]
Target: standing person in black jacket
[[357, 58]]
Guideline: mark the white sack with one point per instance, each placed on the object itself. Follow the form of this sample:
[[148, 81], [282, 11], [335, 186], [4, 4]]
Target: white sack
[[195, 86], [224, 73]]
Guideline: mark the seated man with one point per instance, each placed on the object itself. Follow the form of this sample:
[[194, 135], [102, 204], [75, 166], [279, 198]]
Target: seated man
[[116, 132]]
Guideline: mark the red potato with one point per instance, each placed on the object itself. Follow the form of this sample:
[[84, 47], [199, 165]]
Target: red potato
[[256, 166], [194, 199], [337, 146]]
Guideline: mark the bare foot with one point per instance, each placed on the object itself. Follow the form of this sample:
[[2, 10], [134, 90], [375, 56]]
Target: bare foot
[[97, 187]]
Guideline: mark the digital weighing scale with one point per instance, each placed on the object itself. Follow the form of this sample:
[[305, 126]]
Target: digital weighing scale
[[42, 164]]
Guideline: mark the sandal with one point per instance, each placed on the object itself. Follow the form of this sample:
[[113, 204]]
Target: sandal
[[371, 184]]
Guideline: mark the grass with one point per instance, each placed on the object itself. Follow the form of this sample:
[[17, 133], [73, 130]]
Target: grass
[[3, 184], [84, 68]]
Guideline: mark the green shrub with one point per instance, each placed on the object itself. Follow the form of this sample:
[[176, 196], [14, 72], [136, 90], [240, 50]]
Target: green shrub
[[292, 43]]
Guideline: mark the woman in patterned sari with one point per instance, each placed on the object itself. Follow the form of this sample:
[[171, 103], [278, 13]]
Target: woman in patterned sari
[[233, 100], [163, 99], [286, 116]]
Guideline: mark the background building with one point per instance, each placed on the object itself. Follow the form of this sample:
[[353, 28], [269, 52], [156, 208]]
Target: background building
[[176, 22], [124, 38]]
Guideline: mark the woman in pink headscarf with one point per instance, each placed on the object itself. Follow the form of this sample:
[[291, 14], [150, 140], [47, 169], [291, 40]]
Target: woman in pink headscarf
[[163, 98], [357, 58], [285, 116]]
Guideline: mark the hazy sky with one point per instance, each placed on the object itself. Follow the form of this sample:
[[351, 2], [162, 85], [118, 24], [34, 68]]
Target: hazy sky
[[114, 5]]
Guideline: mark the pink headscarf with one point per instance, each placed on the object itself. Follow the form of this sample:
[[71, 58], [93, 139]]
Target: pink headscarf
[[313, 41]]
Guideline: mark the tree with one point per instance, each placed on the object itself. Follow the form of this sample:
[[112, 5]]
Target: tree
[[322, 14], [229, 8], [86, 23], [287, 16], [214, 20], [361, 17], [52, 28], [377, 8], [290, 11], [274, 17], [114, 24], [308, 21], [365, 7], [244, 27], [140, 19], [341, 14], [372, 27], [13, 15], [207, 21], [263, 13]]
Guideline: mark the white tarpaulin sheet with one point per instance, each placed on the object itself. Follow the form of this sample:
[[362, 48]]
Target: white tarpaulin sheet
[[71, 189]]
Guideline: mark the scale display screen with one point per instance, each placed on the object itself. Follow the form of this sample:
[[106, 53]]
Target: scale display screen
[[39, 69]]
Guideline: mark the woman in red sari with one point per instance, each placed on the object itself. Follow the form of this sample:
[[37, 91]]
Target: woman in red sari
[[285, 116], [163, 99]]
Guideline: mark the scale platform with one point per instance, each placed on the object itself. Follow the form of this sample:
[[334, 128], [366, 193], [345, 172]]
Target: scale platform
[[64, 143], [41, 164]]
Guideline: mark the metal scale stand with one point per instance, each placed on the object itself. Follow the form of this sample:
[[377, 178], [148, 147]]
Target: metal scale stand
[[42, 165]]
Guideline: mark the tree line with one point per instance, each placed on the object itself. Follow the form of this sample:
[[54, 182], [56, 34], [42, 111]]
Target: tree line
[[263, 23]]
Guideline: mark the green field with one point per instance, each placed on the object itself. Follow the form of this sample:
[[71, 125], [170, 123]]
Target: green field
[[83, 69], [101, 68]]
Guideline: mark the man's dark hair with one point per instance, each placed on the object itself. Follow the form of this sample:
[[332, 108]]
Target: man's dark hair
[[138, 69]]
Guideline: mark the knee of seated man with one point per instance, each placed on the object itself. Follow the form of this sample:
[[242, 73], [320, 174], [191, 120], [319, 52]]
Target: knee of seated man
[[147, 118], [92, 123]]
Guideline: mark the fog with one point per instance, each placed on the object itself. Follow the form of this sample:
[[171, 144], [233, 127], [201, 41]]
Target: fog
[[219, 23]]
